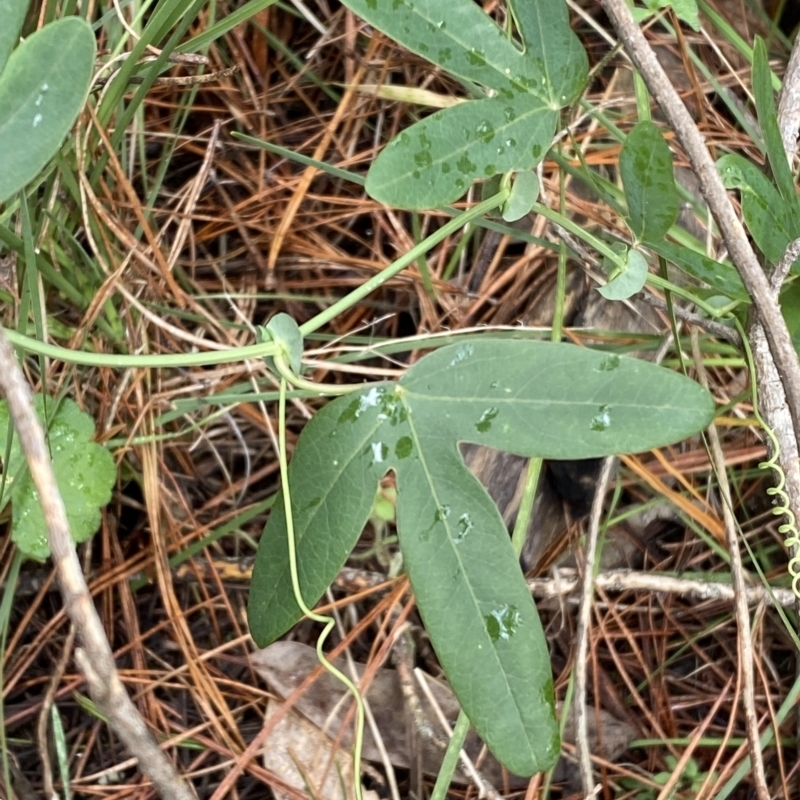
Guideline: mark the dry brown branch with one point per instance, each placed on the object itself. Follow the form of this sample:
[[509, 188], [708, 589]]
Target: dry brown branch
[[584, 629], [567, 583], [95, 659], [789, 103]]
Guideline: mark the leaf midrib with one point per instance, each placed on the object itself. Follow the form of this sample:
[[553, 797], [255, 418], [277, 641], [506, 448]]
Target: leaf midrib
[[451, 543]]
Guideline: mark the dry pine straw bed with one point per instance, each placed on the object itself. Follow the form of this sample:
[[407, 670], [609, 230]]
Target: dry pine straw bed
[[264, 235]]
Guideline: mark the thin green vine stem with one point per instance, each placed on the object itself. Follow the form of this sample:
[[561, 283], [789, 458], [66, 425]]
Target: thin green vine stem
[[322, 389], [6, 604], [263, 349], [328, 622], [668, 286], [450, 759], [532, 475], [576, 230], [324, 317], [619, 261], [125, 361]]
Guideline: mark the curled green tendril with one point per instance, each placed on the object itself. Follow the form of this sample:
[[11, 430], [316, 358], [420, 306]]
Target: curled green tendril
[[284, 370], [780, 508]]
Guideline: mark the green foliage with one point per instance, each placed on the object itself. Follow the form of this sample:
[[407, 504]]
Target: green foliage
[[282, 328], [42, 89], [645, 166], [768, 119], [12, 12], [771, 211], [687, 786], [524, 193], [721, 277], [685, 10], [435, 161], [84, 470], [533, 399], [629, 279], [772, 223]]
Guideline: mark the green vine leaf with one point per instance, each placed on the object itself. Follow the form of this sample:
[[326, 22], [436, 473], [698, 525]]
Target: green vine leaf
[[524, 193], [549, 39], [685, 10], [768, 119], [645, 166], [84, 470], [12, 12], [533, 399], [435, 161], [723, 278], [42, 89], [284, 331], [459, 37], [771, 221]]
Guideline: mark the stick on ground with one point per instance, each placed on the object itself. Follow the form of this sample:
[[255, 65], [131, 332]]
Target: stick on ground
[[94, 658]]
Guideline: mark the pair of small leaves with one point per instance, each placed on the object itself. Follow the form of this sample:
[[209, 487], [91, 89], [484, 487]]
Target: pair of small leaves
[[645, 166], [435, 161], [43, 86], [533, 399], [721, 277], [84, 471]]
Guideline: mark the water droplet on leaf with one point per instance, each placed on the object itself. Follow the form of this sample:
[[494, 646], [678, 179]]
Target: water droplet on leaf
[[476, 57], [422, 158], [380, 452], [465, 525], [602, 419], [404, 447], [609, 363], [502, 622], [465, 166], [442, 513], [462, 354], [485, 131], [485, 422]]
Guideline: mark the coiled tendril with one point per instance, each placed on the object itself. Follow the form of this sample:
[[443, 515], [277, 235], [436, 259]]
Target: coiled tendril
[[788, 529], [781, 507]]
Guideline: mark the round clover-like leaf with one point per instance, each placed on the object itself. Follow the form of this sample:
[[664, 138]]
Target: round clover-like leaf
[[627, 281], [84, 470]]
